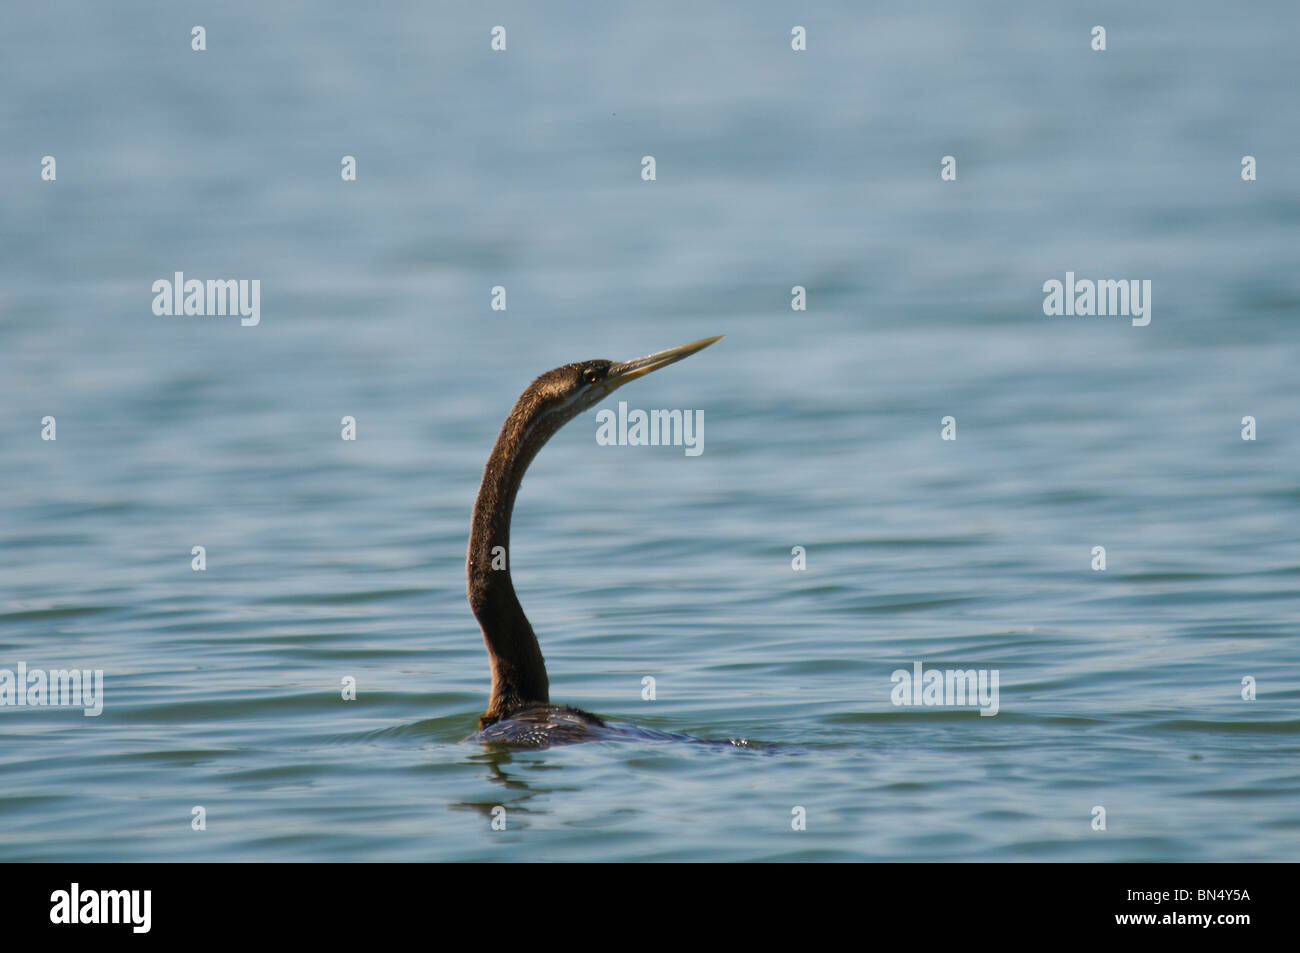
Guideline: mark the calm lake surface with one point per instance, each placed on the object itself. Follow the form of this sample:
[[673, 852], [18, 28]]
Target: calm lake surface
[[327, 558]]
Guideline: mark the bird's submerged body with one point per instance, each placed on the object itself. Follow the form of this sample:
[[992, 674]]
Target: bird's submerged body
[[540, 726], [544, 726], [519, 711]]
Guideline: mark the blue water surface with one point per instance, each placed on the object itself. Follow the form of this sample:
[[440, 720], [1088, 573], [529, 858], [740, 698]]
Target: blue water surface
[[328, 559]]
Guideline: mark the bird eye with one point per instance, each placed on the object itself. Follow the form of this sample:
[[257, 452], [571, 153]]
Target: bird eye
[[591, 375]]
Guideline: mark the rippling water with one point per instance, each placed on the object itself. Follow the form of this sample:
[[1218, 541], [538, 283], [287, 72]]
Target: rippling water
[[328, 559]]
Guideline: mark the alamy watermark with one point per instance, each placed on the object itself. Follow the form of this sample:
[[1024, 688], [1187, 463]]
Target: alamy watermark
[[1127, 297], [656, 428], [60, 688], [214, 297], [129, 907], [956, 688]]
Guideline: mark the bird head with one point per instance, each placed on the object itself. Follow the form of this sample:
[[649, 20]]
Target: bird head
[[559, 395]]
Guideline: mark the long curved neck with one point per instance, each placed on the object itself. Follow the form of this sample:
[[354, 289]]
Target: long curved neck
[[518, 669]]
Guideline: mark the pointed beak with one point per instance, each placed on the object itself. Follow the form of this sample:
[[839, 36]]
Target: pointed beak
[[620, 374]]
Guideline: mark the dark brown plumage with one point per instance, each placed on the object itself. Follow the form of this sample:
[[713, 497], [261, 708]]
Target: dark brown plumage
[[519, 710]]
